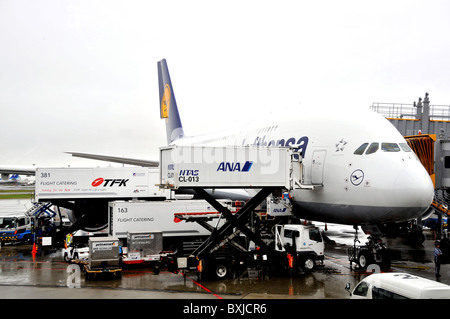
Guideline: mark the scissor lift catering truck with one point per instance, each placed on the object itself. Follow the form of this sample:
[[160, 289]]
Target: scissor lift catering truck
[[239, 243]]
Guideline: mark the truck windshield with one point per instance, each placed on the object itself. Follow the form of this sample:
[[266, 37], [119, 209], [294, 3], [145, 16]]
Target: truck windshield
[[7, 222], [361, 289], [314, 234]]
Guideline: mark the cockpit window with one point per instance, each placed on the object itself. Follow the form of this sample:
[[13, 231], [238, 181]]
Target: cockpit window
[[373, 148], [390, 147], [385, 147], [360, 150], [405, 147]]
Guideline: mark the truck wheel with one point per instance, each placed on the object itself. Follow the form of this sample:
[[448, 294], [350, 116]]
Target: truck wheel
[[364, 259], [308, 264], [221, 271], [66, 257]]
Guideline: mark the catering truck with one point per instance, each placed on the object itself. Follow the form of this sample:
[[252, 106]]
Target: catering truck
[[86, 192], [250, 238], [162, 216], [186, 224], [109, 182], [296, 248]]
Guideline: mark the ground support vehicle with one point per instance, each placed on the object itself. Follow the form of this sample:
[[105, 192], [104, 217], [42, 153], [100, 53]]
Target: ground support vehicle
[[398, 286], [142, 248], [15, 228], [86, 192], [297, 249], [237, 244], [76, 253], [293, 248], [28, 226], [103, 258]]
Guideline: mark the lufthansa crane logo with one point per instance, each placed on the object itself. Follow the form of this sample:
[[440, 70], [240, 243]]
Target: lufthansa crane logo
[[357, 177], [165, 102]]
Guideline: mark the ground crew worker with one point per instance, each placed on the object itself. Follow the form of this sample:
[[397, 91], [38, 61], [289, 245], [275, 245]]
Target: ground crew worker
[[69, 240], [286, 196], [437, 259]]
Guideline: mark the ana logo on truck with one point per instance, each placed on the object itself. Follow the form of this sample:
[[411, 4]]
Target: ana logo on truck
[[109, 182], [236, 166]]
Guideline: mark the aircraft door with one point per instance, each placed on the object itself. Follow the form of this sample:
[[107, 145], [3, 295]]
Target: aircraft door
[[318, 163]]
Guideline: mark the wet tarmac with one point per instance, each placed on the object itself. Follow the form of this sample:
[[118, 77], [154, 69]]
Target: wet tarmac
[[45, 275]]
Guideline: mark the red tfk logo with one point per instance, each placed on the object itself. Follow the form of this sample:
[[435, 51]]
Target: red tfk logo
[[109, 182]]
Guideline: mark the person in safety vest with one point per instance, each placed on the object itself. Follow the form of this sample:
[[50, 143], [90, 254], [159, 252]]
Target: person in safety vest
[[68, 241]]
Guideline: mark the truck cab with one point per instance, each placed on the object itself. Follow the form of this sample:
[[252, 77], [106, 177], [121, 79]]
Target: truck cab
[[304, 242], [15, 228]]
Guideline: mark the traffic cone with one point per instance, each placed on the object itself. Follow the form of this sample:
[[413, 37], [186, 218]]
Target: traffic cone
[[34, 251]]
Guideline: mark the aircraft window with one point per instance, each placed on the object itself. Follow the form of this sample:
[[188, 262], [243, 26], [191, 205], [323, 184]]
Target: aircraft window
[[360, 150], [405, 147], [361, 289], [373, 148], [390, 147]]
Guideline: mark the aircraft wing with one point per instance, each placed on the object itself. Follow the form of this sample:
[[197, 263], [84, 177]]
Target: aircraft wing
[[117, 159], [17, 170]]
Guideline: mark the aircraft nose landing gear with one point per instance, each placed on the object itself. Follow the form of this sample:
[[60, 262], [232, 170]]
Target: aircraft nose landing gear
[[373, 252]]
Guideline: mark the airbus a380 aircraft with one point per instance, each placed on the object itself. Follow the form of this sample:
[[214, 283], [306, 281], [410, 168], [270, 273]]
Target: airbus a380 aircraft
[[365, 170]]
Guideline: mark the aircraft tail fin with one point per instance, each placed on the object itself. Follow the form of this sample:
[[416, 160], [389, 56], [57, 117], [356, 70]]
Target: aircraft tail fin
[[168, 104]]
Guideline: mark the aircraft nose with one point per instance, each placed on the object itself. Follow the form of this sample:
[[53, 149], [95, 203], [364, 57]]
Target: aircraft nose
[[414, 189]]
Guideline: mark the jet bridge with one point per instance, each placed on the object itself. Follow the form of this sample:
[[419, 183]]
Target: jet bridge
[[265, 168]]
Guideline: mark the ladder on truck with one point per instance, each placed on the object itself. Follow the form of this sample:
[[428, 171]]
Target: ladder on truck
[[40, 208], [200, 168]]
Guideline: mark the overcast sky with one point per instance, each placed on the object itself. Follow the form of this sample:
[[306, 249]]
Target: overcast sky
[[81, 75]]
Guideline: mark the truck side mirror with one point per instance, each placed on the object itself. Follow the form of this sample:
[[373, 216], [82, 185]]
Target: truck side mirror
[[347, 287]]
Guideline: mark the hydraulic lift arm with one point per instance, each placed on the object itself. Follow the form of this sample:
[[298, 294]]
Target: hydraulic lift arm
[[237, 221]]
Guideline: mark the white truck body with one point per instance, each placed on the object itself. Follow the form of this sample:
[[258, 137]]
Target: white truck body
[[144, 216], [110, 182], [399, 286], [232, 167]]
